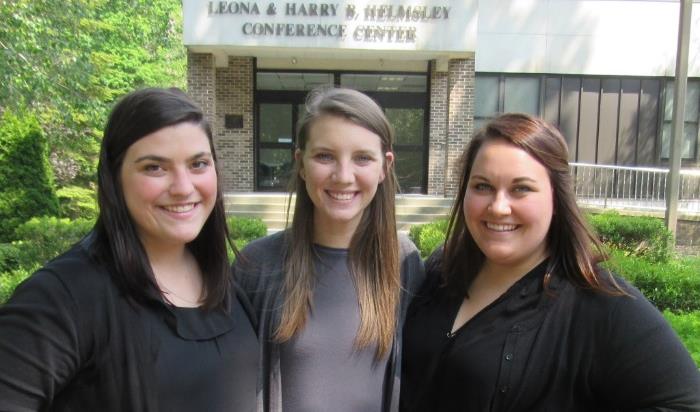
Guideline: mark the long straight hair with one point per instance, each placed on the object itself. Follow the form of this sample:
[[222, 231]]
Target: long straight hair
[[374, 250], [116, 240], [574, 250]]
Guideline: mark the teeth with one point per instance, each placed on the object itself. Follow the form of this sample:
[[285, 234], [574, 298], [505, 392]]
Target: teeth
[[500, 228], [341, 196], [179, 208]]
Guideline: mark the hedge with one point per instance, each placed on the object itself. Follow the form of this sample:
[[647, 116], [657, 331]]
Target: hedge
[[642, 236], [26, 177]]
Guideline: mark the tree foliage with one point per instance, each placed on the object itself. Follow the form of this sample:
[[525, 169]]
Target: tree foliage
[[69, 61], [26, 179]]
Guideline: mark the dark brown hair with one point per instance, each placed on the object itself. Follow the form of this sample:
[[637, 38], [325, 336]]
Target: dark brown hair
[[374, 256], [116, 241], [573, 248]]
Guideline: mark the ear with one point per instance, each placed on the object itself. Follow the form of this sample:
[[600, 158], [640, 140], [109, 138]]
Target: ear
[[389, 163], [298, 157]]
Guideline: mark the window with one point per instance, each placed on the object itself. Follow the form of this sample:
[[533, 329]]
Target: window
[[690, 129], [497, 94]]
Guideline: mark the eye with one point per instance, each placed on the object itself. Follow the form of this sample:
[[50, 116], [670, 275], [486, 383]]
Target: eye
[[153, 168], [363, 159], [201, 164], [481, 187], [323, 157], [522, 189]]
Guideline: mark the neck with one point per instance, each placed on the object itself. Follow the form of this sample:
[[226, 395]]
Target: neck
[[508, 274], [336, 235], [177, 274]]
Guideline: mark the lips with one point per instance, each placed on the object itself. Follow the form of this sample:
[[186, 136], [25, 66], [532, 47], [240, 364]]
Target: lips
[[180, 208], [341, 195], [500, 227]]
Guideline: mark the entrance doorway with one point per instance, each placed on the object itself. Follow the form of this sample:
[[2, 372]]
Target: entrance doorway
[[280, 104]]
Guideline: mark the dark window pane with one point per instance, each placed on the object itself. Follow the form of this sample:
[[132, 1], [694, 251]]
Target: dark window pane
[[276, 123], [409, 170], [408, 125], [397, 83], [274, 168], [690, 138], [292, 81]]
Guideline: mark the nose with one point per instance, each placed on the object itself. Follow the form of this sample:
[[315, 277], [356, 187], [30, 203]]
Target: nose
[[181, 183], [343, 172], [500, 205]]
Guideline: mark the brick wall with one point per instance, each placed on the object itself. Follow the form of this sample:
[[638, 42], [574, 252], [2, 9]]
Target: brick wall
[[460, 117], [437, 149], [200, 82], [451, 123], [235, 147]]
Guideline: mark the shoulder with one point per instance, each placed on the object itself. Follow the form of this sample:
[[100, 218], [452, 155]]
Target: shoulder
[[412, 269], [75, 273], [261, 262]]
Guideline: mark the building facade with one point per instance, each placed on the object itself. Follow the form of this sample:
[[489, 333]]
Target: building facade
[[600, 70]]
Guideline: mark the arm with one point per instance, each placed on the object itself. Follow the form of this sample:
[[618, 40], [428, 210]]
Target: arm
[[38, 343], [646, 366]]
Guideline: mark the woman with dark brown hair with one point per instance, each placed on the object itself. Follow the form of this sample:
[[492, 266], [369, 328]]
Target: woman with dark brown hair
[[331, 291], [142, 314], [516, 314]]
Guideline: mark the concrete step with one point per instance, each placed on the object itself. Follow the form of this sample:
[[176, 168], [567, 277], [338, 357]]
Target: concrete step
[[272, 208]]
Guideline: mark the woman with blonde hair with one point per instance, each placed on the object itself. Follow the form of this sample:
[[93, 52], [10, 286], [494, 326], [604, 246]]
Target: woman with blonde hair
[[331, 291]]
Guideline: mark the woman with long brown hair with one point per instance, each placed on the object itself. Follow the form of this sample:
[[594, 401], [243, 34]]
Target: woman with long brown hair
[[516, 314], [331, 291]]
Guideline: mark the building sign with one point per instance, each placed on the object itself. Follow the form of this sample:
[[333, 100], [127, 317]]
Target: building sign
[[393, 25]]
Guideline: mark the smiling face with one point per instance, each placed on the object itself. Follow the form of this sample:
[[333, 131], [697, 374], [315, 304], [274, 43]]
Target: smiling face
[[508, 205], [342, 165], [169, 183]]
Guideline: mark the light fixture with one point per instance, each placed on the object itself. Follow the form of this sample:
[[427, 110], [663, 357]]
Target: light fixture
[[294, 60]]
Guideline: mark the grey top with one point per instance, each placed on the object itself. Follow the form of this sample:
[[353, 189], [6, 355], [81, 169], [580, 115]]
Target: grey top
[[259, 272], [321, 366]]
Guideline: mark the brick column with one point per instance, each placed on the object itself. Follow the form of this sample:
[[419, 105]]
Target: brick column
[[460, 117], [438, 132], [200, 82], [235, 147]]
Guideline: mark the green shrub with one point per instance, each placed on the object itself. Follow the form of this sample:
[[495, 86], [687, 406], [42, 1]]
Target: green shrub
[[42, 239], [642, 236], [26, 178], [674, 285], [10, 280], [9, 257], [77, 202], [687, 326], [245, 229], [427, 237]]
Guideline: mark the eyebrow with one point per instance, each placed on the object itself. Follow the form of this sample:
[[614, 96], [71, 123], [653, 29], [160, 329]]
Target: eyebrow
[[516, 180], [154, 158]]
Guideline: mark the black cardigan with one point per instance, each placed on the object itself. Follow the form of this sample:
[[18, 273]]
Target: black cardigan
[[565, 349], [69, 340]]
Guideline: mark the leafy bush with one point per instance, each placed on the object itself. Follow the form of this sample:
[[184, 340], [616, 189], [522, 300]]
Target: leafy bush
[[245, 229], [673, 285], [687, 326], [427, 237], [9, 257], [44, 238], [10, 280], [642, 236], [26, 178], [77, 202]]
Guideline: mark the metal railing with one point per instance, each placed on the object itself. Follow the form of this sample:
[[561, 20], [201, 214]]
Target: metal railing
[[636, 188]]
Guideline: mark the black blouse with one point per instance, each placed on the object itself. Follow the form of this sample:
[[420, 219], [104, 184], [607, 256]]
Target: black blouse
[[70, 340], [564, 349]]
